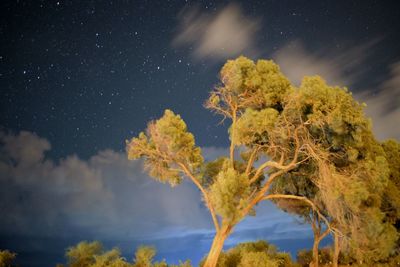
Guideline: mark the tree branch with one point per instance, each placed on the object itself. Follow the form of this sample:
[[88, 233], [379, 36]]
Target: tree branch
[[262, 192], [279, 165], [205, 195], [232, 146], [271, 164], [309, 202], [324, 234], [251, 160]]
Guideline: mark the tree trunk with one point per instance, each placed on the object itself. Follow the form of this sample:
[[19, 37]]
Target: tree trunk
[[216, 247], [315, 226], [315, 262], [336, 250]]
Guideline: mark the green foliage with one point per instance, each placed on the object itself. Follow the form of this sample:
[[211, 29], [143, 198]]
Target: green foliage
[[166, 143], [110, 258], [229, 192], [259, 253], [260, 82], [350, 170], [6, 258], [186, 263], [305, 257], [253, 126], [92, 254], [257, 259], [86, 254], [324, 105], [391, 197], [83, 254], [319, 145], [144, 256]]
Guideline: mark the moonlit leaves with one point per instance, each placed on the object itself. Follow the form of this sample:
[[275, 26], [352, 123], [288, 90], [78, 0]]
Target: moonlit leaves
[[333, 105], [253, 126], [254, 85], [165, 145], [228, 192]]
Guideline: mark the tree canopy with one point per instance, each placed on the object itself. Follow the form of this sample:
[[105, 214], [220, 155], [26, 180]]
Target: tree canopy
[[6, 258], [313, 138]]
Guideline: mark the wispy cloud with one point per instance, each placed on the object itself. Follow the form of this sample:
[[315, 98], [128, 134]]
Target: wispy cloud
[[346, 68], [225, 34], [383, 106], [338, 66], [109, 198], [106, 195]]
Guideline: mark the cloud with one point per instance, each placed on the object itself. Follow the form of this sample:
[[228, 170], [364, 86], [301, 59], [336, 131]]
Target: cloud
[[107, 197], [346, 68], [225, 34], [339, 67], [42, 197], [383, 106]]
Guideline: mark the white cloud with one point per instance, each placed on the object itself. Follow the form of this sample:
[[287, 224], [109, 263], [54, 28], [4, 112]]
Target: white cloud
[[108, 197], [106, 194], [341, 67], [383, 106], [344, 69], [225, 34]]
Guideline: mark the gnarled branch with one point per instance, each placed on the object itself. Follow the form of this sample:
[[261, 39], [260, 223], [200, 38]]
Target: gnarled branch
[[205, 195]]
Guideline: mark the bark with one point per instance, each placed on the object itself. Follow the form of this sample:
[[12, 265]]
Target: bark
[[336, 250], [317, 231], [318, 236], [315, 262], [216, 247]]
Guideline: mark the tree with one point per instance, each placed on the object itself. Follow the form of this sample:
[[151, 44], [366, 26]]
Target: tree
[[283, 128], [259, 253], [144, 256], [391, 196], [83, 254], [92, 254], [253, 96], [296, 183], [111, 258], [6, 258], [349, 170]]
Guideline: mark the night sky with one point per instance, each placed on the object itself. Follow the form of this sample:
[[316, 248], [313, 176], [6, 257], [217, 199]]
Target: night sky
[[78, 78]]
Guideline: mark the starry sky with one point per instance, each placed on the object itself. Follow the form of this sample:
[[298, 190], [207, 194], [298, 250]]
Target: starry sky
[[78, 78]]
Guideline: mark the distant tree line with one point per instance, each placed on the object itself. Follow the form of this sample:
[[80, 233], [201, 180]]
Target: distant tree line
[[249, 254]]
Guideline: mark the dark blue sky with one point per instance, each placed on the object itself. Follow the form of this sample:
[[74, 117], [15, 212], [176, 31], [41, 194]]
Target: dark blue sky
[[80, 77]]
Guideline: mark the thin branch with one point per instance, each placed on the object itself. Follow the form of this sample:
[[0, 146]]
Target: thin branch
[[251, 160], [232, 146], [309, 202], [268, 164], [262, 192], [273, 164], [324, 234], [205, 195]]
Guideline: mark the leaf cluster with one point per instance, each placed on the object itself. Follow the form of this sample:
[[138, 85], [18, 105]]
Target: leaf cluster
[[92, 254], [166, 144], [258, 253]]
